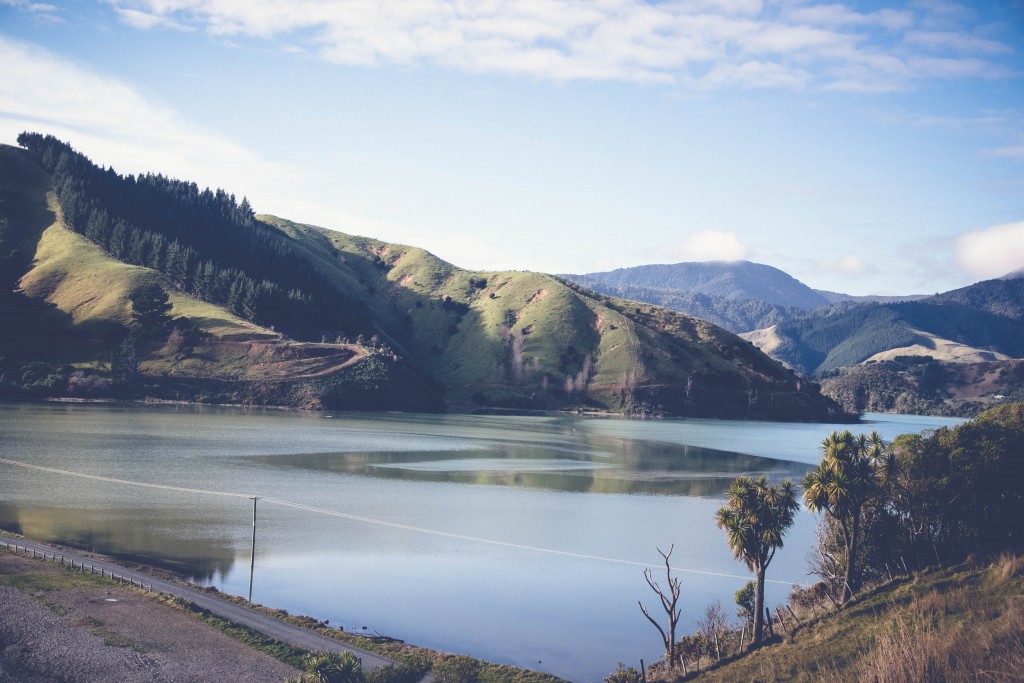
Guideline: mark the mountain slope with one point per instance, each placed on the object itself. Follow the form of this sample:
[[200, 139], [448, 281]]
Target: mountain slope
[[385, 325], [987, 316], [735, 280], [954, 624], [529, 340]]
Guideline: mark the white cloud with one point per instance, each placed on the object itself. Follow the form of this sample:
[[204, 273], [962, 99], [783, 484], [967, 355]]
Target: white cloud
[[757, 75], [840, 15], [993, 251], [709, 43], [41, 12], [853, 264], [146, 20], [960, 42], [710, 245], [116, 125], [37, 7]]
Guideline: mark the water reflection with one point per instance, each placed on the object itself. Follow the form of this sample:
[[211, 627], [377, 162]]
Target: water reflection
[[597, 464], [196, 559]]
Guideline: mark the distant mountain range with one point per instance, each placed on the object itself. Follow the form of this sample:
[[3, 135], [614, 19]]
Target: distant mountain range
[[738, 295], [731, 280], [819, 332], [263, 310]]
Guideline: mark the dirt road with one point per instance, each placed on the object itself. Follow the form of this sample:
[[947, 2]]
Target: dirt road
[[268, 625]]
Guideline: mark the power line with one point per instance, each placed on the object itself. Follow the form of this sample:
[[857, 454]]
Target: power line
[[383, 522]]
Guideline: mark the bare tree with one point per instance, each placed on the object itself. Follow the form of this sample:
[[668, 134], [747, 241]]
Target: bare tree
[[714, 626], [669, 601]]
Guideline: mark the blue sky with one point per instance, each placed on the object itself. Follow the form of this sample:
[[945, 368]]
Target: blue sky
[[862, 147]]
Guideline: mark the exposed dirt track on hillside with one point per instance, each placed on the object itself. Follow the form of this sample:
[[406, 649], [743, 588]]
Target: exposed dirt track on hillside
[[274, 360]]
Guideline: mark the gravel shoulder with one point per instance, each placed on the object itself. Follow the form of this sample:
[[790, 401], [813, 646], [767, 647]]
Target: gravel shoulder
[[65, 632]]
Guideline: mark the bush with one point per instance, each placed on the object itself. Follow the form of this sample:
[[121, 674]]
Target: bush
[[457, 669], [623, 675]]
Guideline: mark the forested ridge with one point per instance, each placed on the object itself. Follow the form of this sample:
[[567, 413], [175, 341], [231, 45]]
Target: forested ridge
[[205, 242], [981, 316]]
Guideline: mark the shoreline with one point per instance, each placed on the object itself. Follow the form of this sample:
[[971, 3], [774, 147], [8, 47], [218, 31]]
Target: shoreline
[[482, 411], [380, 649]]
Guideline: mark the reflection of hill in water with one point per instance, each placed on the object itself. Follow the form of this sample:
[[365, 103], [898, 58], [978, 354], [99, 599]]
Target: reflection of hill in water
[[121, 538], [596, 464]]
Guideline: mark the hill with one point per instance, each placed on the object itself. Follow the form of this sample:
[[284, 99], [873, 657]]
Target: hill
[[838, 297], [729, 280], [987, 317], [266, 310], [956, 624]]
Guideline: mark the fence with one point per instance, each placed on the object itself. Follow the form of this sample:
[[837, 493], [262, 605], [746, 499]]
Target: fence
[[82, 567]]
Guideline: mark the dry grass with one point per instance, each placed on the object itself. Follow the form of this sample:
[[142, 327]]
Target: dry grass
[[964, 623], [921, 649]]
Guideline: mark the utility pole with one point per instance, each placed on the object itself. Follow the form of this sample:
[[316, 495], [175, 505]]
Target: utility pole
[[252, 558]]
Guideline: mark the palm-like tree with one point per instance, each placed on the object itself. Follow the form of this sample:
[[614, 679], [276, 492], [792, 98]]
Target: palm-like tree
[[331, 667], [755, 518], [846, 479]]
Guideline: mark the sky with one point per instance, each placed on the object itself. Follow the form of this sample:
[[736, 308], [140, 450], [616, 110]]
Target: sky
[[865, 148]]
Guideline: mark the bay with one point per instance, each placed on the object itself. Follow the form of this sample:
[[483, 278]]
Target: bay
[[515, 539]]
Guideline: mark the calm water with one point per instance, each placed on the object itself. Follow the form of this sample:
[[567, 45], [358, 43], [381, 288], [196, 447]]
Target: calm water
[[514, 539]]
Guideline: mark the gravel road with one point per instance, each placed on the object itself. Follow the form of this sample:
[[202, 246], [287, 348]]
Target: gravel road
[[263, 623]]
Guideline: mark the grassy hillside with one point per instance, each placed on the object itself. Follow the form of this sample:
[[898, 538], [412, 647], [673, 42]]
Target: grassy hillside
[[423, 332], [957, 624], [533, 341]]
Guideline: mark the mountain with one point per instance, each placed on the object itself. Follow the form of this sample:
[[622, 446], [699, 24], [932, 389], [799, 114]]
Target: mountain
[[264, 310], [731, 280], [951, 353], [987, 318], [838, 297], [735, 315]]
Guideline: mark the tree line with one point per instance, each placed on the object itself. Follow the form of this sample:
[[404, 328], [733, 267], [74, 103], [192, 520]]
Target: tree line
[[205, 242]]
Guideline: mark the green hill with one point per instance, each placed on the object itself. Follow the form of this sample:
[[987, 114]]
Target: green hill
[[270, 311], [987, 316]]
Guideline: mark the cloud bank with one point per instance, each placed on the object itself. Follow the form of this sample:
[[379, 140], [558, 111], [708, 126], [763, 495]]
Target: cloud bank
[[992, 252], [100, 114], [698, 44], [712, 245]]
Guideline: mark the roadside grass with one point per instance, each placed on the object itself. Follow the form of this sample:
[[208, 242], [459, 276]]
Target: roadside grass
[[411, 657], [962, 623], [289, 654]]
